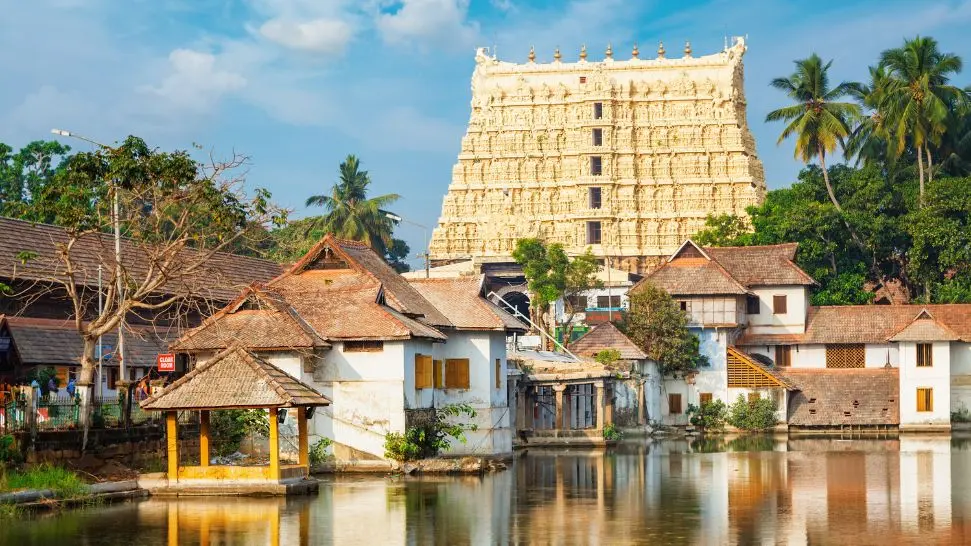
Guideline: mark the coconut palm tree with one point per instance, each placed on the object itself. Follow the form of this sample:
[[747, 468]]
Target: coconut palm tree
[[871, 141], [817, 120], [918, 99], [350, 213]]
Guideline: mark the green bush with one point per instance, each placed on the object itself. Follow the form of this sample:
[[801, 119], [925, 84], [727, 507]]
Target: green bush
[[429, 439], [318, 451], [229, 427], [752, 416], [607, 357], [709, 416], [611, 432], [9, 454], [961, 415]]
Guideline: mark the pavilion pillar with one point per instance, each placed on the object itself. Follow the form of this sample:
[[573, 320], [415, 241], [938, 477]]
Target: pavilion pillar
[[204, 438], [304, 441], [558, 395], [601, 407], [172, 437], [274, 445]]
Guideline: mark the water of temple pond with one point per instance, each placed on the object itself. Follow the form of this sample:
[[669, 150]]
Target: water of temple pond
[[744, 491]]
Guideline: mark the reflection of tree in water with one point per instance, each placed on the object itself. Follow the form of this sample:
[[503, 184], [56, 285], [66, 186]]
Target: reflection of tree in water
[[744, 443], [432, 516]]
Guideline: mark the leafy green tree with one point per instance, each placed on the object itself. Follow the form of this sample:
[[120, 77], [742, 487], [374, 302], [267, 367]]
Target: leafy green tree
[[288, 243], [817, 120], [724, 230], [552, 275], [660, 328], [397, 255], [755, 416], [918, 99], [26, 174], [941, 231], [351, 214]]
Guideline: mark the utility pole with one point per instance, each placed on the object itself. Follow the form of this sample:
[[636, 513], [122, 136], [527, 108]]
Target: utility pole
[[424, 229]]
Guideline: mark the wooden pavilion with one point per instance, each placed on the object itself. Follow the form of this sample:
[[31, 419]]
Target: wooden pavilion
[[235, 379]]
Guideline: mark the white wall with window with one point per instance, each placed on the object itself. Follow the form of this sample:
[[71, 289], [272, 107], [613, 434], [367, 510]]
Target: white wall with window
[[781, 310], [925, 383]]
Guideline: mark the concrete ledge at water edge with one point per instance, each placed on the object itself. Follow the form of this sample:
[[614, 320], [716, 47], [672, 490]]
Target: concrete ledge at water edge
[[442, 465], [45, 498]]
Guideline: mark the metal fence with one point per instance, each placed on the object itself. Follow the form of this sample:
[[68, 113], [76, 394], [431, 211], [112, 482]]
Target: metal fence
[[64, 413]]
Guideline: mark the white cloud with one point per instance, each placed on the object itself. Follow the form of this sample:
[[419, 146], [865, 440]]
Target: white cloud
[[195, 83], [439, 23], [316, 35]]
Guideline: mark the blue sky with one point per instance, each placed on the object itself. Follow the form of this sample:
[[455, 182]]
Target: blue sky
[[298, 84]]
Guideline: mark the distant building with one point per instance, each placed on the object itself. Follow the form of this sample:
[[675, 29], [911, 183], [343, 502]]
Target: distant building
[[385, 350], [624, 156], [906, 366]]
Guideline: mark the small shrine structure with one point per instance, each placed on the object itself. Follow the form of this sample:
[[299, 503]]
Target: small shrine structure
[[236, 379]]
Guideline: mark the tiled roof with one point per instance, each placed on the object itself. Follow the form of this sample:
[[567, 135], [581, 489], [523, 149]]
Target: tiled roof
[[880, 323], [769, 265], [398, 292], [697, 271], [235, 378], [758, 365], [925, 328], [460, 300], [222, 277], [832, 397], [56, 342], [606, 336]]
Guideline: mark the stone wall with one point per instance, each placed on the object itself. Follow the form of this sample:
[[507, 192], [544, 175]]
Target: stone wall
[[132, 447], [665, 143]]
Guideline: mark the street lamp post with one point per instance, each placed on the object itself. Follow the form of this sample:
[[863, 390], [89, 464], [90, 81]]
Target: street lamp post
[[119, 282], [424, 255]]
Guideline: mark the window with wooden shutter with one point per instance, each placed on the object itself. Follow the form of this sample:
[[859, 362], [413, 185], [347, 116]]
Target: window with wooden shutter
[[925, 355], [845, 356], [779, 305], [753, 397], [423, 372], [437, 373], [674, 404], [704, 398], [457, 373], [783, 356], [498, 373], [925, 399]]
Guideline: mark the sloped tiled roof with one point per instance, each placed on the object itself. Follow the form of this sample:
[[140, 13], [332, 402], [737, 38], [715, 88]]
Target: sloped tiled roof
[[606, 336], [56, 342], [770, 339], [235, 378], [460, 300], [770, 265], [832, 397], [771, 372], [222, 277], [697, 271], [925, 328], [880, 323], [267, 322]]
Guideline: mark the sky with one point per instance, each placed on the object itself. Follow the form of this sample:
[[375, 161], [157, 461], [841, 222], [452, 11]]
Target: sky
[[296, 85]]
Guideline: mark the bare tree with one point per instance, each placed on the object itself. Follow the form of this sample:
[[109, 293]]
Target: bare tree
[[177, 216]]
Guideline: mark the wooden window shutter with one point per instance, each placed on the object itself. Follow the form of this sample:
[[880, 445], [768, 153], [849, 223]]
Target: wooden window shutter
[[753, 397], [674, 404], [705, 398], [498, 373], [779, 305], [423, 371], [925, 355], [439, 379], [925, 399], [783, 355], [457, 373]]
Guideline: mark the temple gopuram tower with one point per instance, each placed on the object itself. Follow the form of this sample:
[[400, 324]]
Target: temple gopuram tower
[[626, 157]]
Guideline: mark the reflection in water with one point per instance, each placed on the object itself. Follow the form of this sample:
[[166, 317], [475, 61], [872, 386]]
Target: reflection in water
[[751, 490]]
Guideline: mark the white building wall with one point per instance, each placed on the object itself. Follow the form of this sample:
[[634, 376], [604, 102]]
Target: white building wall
[[713, 378], [960, 376], [925, 482], [809, 356], [793, 321], [676, 386], [878, 354], [936, 377]]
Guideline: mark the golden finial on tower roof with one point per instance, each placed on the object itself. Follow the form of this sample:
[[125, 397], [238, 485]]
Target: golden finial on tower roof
[[687, 49], [660, 49], [610, 51], [532, 54], [556, 55], [635, 52], [583, 52]]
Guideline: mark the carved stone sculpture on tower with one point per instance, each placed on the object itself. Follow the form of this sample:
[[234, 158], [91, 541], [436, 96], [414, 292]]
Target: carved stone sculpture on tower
[[611, 155]]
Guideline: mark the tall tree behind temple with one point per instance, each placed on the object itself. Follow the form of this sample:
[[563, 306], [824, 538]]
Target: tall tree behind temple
[[25, 175], [350, 213]]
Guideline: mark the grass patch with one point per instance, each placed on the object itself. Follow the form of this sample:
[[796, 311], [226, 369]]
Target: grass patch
[[63, 482]]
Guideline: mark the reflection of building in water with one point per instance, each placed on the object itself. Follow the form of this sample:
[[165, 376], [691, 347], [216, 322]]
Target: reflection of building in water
[[244, 521]]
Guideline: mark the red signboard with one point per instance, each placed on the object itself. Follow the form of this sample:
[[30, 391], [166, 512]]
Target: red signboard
[[166, 363]]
